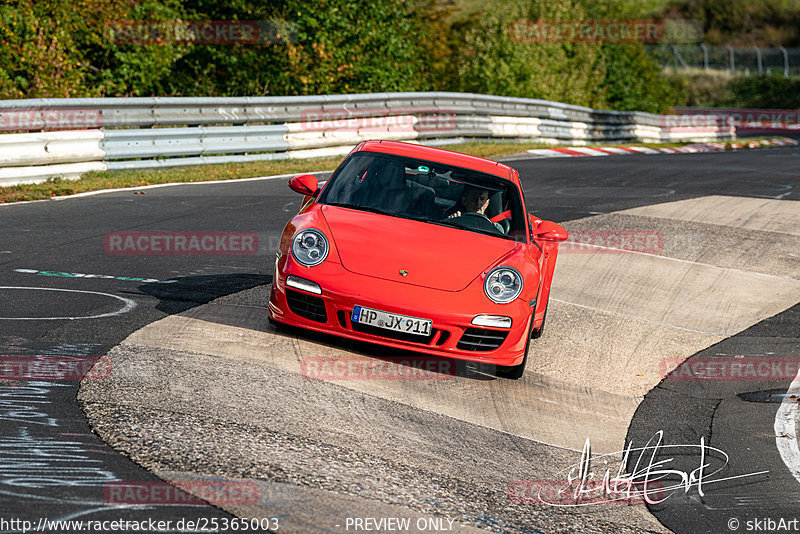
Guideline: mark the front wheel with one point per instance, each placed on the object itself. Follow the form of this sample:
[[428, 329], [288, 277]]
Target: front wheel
[[280, 327], [515, 372], [537, 332]]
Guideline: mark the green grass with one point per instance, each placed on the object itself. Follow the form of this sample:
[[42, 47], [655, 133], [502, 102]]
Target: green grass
[[95, 181]]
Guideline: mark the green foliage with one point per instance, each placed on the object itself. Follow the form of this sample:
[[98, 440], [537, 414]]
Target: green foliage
[[38, 58], [743, 22], [759, 92], [65, 48], [634, 81], [61, 48], [490, 58], [130, 69], [764, 92], [343, 46], [334, 46], [68, 48], [703, 90]]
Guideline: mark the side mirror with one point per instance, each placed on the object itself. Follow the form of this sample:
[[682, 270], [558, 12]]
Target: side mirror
[[550, 231], [305, 184]]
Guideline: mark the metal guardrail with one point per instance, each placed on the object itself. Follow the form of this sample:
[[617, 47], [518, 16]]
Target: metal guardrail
[[126, 133], [171, 142], [176, 111], [738, 60], [50, 147]]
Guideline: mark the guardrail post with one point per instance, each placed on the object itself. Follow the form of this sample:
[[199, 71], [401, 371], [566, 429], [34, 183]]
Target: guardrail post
[[730, 53], [679, 57], [758, 58], [705, 57], [785, 61]]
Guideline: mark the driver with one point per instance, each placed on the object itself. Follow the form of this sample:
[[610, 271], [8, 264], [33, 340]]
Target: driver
[[473, 200]]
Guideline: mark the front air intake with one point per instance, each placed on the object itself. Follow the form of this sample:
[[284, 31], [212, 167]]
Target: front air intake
[[481, 339], [307, 306]]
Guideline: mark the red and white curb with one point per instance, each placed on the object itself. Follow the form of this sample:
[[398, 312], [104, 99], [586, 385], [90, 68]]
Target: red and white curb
[[578, 151]]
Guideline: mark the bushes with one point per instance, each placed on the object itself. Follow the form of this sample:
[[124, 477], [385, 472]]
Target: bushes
[[62, 48], [489, 59], [612, 76], [37, 59], [764, 92], [759, 92], [345, 46], [635, 82], [743, 22]]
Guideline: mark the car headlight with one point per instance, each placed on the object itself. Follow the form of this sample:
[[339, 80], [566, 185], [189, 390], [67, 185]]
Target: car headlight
[[309, 247], [503, 285]]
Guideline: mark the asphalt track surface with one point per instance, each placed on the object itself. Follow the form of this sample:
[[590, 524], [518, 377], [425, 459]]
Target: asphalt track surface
[[53, 465]]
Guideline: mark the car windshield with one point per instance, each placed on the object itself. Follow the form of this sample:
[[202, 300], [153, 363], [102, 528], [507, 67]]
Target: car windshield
[[428, 191]]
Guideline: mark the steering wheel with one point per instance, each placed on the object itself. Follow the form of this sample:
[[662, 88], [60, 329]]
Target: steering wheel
[[476, 221], [505, 221]]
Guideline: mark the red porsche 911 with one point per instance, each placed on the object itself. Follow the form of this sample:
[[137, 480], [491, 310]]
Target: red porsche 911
[[418, 248]]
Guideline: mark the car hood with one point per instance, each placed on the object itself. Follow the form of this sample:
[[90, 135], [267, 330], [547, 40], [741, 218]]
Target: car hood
[[433, 256]]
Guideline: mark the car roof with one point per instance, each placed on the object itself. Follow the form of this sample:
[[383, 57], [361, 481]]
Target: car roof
[[448, 157]]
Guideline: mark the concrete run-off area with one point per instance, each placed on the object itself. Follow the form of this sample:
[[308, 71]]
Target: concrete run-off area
[[217, 392]]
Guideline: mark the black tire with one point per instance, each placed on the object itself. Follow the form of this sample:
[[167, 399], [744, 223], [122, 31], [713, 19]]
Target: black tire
[[515, 372], [281, 327], [537, 332]]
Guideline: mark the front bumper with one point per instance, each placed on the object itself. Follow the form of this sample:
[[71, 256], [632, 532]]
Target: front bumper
[[451, 313]]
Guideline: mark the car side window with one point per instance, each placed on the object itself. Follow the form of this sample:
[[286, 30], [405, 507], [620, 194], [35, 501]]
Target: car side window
[[348, 180]]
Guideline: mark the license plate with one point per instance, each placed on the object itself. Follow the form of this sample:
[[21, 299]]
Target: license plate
[[391, 321]]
